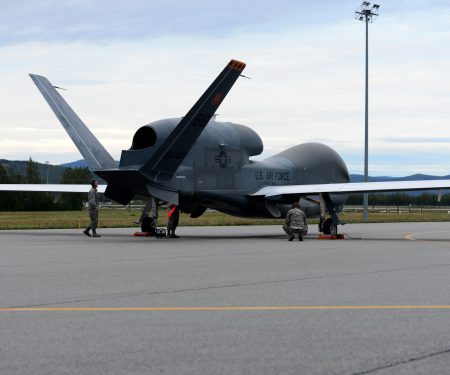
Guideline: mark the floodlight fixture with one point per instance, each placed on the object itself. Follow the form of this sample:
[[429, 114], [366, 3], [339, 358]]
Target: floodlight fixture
[[366, 13]]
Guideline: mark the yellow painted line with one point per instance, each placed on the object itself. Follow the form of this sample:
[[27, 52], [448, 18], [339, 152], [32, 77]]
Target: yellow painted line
[[230, 308], [411, 237]]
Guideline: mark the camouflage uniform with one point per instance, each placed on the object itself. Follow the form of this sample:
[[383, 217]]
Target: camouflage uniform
[[295, 222], [93, 204], [151, 206]]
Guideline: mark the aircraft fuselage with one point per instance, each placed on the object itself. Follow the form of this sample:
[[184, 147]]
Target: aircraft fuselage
[[218, 172]]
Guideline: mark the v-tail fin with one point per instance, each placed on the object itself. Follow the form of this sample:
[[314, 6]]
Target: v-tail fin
[[176, 146], [92, 150]]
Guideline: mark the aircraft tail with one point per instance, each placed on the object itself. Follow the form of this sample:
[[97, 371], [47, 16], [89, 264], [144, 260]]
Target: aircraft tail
[[92, 150], [176, 146]]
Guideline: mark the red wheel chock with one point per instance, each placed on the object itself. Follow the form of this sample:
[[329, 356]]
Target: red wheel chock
[[331, 237], [142, 234]]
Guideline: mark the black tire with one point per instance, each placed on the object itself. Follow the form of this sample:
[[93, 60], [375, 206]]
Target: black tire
[[333, 229], [146, 225], [329, 227]]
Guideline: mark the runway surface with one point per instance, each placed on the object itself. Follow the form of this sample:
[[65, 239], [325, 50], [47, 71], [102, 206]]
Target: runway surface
[[226, 300]]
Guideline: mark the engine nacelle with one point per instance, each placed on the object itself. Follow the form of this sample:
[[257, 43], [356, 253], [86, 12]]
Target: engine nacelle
[[146, 141], [150, 137], [153, 134]]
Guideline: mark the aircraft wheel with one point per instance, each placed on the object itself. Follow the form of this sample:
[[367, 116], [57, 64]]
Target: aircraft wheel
[[333, 229], [146, 225], [329, 227]]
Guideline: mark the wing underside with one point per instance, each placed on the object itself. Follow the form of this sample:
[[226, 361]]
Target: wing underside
[[51, 188], [352, 187]]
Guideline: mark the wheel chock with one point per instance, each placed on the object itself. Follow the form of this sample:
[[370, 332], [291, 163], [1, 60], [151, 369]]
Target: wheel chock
[[142, 234], [331, 237]]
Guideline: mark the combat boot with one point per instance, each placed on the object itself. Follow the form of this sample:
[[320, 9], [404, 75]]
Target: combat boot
[[300, 237], [95, 234], [86, 231], [291, 237]]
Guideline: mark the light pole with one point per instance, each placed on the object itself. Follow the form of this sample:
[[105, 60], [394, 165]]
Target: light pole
[[366, 13]]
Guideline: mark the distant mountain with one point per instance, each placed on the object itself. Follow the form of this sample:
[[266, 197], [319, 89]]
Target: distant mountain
[[75, 164], [360, 178]]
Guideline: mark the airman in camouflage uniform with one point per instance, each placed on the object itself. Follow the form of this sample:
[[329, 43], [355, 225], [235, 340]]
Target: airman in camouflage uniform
[[93, 203], [295, 222]]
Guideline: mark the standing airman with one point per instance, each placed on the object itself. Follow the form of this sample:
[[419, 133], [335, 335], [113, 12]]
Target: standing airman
[[93, 203]]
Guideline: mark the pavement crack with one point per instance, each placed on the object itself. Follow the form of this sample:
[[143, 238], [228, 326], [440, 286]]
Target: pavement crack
[[403, 362], [223, 286]]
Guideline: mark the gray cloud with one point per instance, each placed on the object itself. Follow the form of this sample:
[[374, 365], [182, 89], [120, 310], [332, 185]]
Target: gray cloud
[[107, 20], [102, 20], [127, 63]]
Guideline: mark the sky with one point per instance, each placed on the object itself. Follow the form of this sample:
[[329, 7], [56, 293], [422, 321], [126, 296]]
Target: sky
[[127, 63]]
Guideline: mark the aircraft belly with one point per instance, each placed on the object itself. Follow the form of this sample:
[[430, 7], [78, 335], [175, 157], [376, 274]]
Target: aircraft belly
[[259, 209]]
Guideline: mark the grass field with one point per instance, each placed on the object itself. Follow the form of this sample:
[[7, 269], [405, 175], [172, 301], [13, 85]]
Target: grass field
[[125, 218]]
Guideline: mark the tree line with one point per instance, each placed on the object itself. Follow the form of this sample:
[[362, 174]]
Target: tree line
[[37, 201], [401, 199]]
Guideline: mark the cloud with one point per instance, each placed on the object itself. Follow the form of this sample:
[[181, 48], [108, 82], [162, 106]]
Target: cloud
[[306, 65], [110, 20]]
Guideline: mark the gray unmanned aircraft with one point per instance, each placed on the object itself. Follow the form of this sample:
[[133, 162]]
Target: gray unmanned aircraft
[[196, 162]]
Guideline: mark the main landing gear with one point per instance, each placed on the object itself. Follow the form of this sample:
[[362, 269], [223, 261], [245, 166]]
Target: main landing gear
[[328, 226]]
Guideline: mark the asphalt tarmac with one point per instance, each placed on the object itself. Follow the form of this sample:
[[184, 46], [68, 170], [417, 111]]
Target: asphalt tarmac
[[226, 300]]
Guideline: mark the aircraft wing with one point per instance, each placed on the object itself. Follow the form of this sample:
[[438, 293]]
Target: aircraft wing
[[51, 188], [176, 146], [352, 187]]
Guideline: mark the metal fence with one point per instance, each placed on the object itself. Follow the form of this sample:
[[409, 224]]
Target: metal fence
[[399, 209]]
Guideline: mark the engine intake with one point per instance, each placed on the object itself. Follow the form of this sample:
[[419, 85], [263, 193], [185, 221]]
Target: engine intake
[[145, 137]]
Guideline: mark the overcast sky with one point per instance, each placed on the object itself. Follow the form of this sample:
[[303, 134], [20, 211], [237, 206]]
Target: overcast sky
[[128, 63]]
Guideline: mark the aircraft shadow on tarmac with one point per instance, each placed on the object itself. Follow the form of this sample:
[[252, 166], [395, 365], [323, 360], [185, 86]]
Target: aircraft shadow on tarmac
[[71, 234], [190, 237]]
